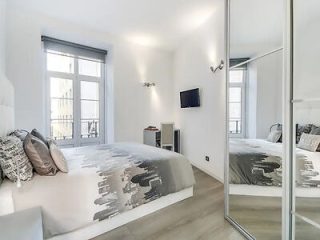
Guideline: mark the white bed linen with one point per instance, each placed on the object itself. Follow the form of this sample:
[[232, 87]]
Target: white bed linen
[[69, 200]]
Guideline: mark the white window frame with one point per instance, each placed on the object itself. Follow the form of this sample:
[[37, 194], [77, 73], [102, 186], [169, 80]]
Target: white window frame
[[77, 141], [241, 85]]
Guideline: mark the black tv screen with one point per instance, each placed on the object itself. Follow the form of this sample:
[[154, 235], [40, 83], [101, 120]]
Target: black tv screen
[[190, 98]]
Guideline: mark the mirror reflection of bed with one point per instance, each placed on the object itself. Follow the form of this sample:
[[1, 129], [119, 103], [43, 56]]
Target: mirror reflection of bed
[[256, 131], [255, 117]]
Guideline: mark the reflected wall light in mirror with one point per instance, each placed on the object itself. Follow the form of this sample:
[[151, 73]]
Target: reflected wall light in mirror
[[149, 84], [220, 67]]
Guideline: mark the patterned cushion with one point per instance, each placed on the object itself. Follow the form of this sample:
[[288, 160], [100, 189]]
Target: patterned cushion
[[39, 155], [11, 154]]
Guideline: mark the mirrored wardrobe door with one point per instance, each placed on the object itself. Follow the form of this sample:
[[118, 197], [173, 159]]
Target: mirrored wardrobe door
[[255, 118], [306, 119]]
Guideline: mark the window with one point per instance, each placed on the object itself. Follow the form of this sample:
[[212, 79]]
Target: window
[[237, 77], [75, 76]]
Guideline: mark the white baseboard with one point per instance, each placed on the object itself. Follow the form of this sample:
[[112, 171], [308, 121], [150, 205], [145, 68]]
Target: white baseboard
[[207, 172]]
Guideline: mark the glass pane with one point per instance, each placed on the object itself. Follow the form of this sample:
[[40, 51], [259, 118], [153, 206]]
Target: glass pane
[[61, 129], [235, 126], [59, 63], [89, 68], [61, 88], [235, 94], [235, 110], [89, 128], [89, 90], [89, 109], [61, 109], [305, 231], [236, 76]]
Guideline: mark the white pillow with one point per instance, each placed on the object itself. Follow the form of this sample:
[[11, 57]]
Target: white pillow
[[274, 136], [58, 157], [309, 142]]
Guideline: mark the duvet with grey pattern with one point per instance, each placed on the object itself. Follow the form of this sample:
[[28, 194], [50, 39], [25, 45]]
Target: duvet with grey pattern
[[258, 162], [134, 174]]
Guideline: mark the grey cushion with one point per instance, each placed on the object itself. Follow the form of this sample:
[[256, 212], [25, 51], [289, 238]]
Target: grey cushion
[[309, 142], [39, 155], [11, 154], [20, 133], [38, 135], [274, 136], [22, 225], [315, 130], [58, 156], [300, 129]]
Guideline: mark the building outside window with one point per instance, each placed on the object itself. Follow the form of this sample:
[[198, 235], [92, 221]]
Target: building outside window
[[75, 76], [237, 87]]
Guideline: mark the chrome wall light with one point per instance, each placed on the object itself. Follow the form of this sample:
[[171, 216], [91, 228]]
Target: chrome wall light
[[149, 84], [220, 67]]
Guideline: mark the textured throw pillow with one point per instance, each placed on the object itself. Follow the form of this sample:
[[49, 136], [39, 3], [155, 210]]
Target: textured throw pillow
[[38, 135], [274, 136], [39, 155], [58, 156], [300, 129], [11, 156], [309, 142], [315, 130], [20, 133]]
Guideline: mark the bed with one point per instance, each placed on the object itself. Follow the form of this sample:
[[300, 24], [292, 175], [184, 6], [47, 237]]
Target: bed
[[255, 168], [107, 185]]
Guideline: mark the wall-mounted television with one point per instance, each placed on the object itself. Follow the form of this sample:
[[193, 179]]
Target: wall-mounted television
[[190, 98]]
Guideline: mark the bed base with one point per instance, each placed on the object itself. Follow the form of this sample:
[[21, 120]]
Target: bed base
[[107, 225]]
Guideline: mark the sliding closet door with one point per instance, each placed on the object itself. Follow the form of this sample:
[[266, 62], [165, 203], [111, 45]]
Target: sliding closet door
[[255, 150], [306, 118]]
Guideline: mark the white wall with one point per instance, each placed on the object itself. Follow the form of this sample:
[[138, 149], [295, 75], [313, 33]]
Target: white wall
[[203, 128], [264, 95], [134, 106], [306, 61], [2, 35]]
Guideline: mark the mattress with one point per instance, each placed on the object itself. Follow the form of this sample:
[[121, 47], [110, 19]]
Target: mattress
[[103, 181]]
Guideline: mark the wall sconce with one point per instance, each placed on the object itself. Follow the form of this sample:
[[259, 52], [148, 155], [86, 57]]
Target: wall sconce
[[220, 67], [148, 84]]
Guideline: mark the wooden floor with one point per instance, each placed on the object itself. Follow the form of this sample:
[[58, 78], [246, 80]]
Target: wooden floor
[[198, 218]]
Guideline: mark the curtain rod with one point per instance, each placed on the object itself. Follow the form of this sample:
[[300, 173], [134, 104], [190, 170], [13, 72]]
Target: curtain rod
[[256, 58]]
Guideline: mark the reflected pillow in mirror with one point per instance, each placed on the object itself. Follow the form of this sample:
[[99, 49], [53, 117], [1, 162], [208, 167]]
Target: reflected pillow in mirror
[[274, 136], [300, 129], [315, 130], [58, 156], [309, 142]]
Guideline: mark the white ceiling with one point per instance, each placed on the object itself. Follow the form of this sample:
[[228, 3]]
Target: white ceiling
[[256, 26], [160, 23]]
